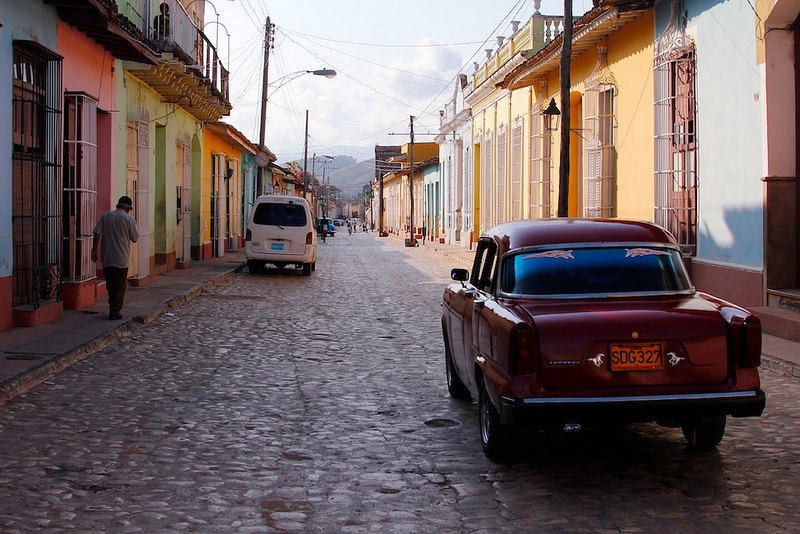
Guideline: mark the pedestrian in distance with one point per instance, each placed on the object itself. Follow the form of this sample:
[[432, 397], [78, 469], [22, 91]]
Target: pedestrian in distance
[[113, 235]]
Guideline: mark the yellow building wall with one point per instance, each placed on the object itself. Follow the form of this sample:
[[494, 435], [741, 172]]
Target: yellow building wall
[[630, 56], [630, 59], [214, 144]]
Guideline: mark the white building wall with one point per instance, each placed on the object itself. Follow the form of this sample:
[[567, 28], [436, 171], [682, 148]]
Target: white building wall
[[456, 169]]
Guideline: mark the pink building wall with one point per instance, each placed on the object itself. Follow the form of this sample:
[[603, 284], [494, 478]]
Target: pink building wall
[[89, 68]]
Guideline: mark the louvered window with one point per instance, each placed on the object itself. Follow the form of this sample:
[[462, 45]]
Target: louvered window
[[600, 164], [502, 178], [488, 213], [541, 165], [516, 171], [138, 188]]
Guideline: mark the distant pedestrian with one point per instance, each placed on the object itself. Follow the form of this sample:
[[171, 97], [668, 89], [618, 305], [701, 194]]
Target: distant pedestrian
[[113, 235]]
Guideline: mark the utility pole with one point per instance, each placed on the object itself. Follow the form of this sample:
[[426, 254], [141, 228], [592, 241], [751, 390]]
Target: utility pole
[[264, 88], [305, 157], [566, 53], [413, 240]]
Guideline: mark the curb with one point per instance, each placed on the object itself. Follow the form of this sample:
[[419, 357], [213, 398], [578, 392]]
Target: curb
[[780, 366], [24, 381]]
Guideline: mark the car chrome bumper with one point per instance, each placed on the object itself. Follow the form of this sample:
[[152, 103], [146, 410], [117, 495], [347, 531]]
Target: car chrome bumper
[[556, 410]]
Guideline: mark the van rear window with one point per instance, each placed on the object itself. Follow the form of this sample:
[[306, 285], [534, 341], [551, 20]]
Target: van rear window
[[275, 214]]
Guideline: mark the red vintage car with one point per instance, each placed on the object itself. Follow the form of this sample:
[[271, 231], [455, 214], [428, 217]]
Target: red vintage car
[[574, 322]]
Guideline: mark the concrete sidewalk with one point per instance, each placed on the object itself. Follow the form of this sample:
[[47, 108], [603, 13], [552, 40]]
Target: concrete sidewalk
[[30, 355]]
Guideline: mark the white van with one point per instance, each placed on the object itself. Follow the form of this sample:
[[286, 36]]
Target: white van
[[280, 231]]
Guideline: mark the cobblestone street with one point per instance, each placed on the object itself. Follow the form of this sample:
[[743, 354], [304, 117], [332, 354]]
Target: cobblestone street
[[283, 403]]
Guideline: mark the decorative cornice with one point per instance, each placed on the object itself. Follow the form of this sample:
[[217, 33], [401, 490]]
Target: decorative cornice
[[602, 75]]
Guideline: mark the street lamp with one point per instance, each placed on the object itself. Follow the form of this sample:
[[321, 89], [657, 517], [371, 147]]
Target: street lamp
[[552, 112], [280, 82], [216, 42]]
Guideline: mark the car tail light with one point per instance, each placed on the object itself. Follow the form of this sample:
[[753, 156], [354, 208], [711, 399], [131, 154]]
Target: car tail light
[[751, 343], [522, 350], [248, 235], [309, 238]]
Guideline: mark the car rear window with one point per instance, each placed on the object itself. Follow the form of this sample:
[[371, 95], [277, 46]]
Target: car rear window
[[601, 270], [277, 214]]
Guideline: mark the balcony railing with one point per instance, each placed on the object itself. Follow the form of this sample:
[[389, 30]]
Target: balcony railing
[[537, 33], [180, 35]]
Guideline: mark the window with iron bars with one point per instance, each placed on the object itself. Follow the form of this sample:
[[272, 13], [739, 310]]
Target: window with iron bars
[[36, 174], [80, 185], [675, 146]]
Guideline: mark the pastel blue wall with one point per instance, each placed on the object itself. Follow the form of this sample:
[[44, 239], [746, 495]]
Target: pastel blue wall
[[730, 141], [27, 21]]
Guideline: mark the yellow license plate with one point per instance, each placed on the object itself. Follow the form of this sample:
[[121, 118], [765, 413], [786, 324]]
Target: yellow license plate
[[636, 357]]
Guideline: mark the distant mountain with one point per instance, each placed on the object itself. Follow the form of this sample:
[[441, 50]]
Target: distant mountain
[[349, 175]]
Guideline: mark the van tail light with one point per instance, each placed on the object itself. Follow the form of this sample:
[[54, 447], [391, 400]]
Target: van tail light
[[248, 235], [309, 238], [523, 350], [751, 343]]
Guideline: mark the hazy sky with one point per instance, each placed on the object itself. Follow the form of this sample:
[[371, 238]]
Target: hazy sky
[[393, 59]]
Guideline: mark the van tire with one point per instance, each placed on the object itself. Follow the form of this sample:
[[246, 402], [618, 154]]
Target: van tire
[[253, 266], [306, 269]]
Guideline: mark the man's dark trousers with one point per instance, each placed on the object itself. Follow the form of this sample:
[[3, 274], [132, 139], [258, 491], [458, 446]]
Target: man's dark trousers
[[116, 282]]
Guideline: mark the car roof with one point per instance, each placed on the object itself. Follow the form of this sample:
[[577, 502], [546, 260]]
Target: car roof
[[285, 199], [535, 232]]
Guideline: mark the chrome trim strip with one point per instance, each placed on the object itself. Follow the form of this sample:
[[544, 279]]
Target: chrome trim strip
[[589, 400]]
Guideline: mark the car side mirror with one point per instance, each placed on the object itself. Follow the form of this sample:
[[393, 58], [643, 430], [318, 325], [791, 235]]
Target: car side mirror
[[460, 275]]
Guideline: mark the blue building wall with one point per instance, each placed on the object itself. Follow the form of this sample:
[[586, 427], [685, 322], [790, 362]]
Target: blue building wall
[[27, 21], [730, 139]]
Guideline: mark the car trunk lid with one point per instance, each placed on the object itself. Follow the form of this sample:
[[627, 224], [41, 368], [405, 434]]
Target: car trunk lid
[[630, 343]]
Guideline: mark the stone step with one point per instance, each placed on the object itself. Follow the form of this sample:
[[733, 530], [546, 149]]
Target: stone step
[[784, 299], [779, 322]]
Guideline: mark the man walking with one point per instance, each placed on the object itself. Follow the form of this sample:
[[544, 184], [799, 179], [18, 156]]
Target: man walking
[[116, 230]]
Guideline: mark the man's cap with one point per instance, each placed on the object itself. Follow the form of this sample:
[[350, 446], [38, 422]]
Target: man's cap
[[125, 202]]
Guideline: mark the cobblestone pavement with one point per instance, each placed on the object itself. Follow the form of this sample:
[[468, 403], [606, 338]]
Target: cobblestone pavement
[[282, 403]]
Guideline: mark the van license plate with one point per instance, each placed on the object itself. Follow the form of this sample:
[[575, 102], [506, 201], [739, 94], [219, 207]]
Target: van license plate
[[276, 246], [637, 357]]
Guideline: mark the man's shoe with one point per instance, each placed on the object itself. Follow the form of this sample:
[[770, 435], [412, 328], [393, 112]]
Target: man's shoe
[[114, 317]]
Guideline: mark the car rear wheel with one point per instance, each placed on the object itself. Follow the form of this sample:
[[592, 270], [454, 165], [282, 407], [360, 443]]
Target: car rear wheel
[[253, 266], [306, 269], [497, 439], [455, 386], [705, 433]]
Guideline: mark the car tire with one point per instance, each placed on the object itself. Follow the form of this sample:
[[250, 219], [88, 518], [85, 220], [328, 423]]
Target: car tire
[[306, 269], [313, 266], [455, 386], [497, 439], [705, 433], [253, 266]]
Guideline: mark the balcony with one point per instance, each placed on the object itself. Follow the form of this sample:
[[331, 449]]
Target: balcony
[[537, 33], [102, 21], [189, 72]]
